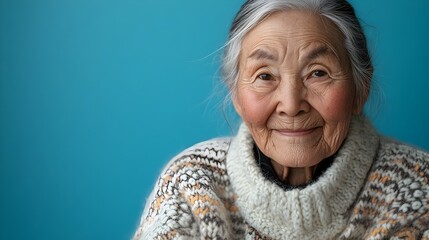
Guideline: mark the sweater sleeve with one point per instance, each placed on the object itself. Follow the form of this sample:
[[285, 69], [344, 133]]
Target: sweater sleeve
[[191, 199], [167, 214]]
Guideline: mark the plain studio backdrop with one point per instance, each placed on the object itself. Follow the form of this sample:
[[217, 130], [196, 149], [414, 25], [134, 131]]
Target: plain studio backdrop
[[96, 96]]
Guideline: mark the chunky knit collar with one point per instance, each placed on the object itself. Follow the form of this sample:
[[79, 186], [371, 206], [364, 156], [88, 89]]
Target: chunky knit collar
[[317, 211], [269, 173]]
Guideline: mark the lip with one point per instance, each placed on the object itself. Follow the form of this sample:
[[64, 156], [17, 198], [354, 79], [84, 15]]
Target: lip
[[296, 132]]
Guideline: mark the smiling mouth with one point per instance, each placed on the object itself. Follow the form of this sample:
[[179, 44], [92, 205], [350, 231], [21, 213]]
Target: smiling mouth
[[296, 132]]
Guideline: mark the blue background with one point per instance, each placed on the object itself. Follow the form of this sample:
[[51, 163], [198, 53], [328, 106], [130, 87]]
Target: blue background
[[96, 96]]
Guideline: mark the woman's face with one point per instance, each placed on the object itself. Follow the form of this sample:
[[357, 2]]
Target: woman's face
[[295, 90]]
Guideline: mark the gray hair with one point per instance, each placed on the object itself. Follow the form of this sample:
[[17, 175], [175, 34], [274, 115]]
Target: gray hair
[[340, 12]]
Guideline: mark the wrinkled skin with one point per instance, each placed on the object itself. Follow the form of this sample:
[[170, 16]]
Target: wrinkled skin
[[295, 91]]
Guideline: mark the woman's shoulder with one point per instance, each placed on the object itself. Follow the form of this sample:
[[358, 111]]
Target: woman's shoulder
[[402, 161], [209, 148], [396, 151], [187, 189], [396, 192], [402, 169], [202, 159]]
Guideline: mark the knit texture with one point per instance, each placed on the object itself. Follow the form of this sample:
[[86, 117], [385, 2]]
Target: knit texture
[[374, 189]]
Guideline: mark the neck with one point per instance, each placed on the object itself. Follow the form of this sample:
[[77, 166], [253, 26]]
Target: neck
[[316, 211], [294, 176]]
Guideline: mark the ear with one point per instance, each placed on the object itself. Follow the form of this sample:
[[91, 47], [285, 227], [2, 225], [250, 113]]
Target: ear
[[358, 106], [360, 101]]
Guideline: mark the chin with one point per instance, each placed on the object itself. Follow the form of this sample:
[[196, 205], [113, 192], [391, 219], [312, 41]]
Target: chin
[[297, 160]]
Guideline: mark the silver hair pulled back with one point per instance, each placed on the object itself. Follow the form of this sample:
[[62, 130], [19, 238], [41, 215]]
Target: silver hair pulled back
[[340, 12]]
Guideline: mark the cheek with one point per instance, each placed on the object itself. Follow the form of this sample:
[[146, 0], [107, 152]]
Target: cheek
[[337, 104], [336, 110], [255, 108]]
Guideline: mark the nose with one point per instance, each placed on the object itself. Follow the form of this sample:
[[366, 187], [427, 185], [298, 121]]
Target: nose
[[292, 97]]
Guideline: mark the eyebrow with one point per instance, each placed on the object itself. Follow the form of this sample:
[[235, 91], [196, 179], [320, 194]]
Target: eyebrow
[[319, 51], [262, 54]]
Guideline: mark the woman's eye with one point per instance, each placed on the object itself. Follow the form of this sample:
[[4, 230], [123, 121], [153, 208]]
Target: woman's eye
[[318, 73], [265, 76]]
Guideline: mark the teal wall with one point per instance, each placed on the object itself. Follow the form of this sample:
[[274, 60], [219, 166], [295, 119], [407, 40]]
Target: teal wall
[[96, 96]]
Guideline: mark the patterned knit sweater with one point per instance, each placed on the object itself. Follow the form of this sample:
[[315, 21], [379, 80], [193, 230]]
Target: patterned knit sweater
[[374, 189]]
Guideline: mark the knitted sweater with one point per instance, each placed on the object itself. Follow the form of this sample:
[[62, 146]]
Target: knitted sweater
[[374, 189]]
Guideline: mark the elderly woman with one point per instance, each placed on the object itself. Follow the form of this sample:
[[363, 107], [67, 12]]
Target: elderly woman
[[305, 163]]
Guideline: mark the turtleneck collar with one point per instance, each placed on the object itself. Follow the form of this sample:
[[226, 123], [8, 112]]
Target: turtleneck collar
[[317, 211], [269, 173]]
